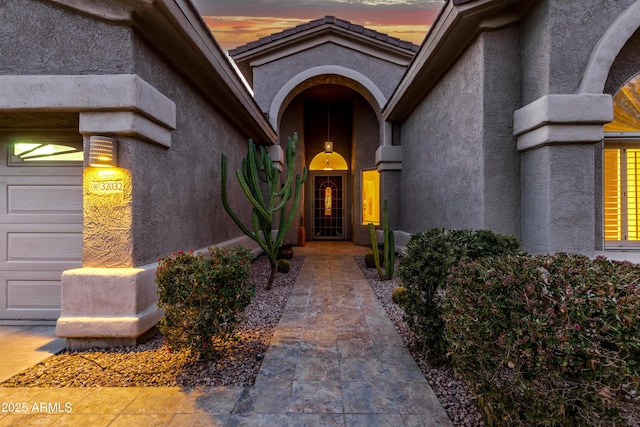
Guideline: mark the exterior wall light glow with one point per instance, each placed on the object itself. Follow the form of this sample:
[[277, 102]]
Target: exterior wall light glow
[[103, 151], [328, 147]]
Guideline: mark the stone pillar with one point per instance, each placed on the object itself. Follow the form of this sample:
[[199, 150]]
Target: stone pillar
[[389, 164], [110, 301], [558, 137]]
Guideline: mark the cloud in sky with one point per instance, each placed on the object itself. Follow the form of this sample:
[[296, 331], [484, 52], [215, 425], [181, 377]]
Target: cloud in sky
[[237, 22]]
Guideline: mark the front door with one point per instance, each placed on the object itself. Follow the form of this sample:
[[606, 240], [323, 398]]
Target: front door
[[328, 206]]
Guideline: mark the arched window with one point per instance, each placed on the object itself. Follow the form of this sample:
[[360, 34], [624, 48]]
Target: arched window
[[328, 162], [621, 169]]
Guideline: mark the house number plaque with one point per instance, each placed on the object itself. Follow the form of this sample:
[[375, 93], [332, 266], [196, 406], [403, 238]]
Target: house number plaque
[[107, 187]]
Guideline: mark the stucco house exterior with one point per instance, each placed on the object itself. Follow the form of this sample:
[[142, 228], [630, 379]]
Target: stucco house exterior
[[518, 116]]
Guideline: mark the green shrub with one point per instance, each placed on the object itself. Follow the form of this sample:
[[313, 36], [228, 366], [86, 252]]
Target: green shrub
[[423, 270], [284, 266], [202, 296], [546, 340]]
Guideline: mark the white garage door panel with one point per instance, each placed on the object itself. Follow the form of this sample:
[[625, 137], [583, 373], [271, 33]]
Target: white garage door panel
[[38, 199], [51, 199], [41, 247], [33, 294], [30, 295], [38, 247]]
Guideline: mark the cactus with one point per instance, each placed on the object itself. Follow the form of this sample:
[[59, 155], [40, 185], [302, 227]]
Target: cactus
[[389, 249], [284, 266], [399, 295], [369, 259], [268, 204]]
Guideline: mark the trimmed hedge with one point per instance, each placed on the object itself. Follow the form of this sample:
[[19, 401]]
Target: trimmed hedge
[[546, 340], [202, 296], [423, 270]]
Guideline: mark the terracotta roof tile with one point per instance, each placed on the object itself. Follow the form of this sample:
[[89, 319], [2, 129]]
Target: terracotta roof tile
[[331, 20]]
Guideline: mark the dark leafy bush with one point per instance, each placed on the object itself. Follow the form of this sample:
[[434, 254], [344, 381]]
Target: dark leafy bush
[[546, 340], [203, 296], [423, 270]]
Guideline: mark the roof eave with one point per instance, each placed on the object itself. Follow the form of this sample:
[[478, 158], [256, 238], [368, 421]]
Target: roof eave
[[176, 29], [290, 41], [458, 24]]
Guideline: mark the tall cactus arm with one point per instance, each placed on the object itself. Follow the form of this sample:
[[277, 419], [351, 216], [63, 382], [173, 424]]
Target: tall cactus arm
[[392, 255], [258, 227], [247, 190], [374, 249], [251, 172], [257, 167], [227, 207], [290, 160], [296, 200]]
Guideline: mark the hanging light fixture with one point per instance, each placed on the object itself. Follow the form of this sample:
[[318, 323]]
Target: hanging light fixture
[[328, 145]]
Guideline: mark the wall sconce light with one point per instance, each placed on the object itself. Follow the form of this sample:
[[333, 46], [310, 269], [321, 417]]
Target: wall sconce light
[[103, 151]]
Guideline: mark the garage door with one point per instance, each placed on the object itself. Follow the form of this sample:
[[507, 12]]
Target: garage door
[[40, 221]]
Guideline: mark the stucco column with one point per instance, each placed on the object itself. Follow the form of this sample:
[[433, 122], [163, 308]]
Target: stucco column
[[110, 300], [559, 138], [389, 164]]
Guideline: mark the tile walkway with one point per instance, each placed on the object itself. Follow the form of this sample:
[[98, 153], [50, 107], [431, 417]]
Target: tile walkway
[[335, 360]]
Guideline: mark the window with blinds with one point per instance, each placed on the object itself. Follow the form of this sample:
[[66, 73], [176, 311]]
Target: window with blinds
[[621, 168], [621, 201]]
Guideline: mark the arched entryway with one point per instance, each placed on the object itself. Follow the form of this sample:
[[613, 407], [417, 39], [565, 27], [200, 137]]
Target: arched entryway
[[329, 199], [332, 108]]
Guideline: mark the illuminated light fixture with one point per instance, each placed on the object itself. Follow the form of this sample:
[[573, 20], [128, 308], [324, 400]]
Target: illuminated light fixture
[[103, 151], [328, 145]]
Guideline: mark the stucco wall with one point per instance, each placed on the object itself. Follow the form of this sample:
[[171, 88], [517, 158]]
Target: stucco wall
[[442, 171], [501, 82], [38, 38], [176, 191], [558, 38], [558, 200], [270, 77], [460, 167]]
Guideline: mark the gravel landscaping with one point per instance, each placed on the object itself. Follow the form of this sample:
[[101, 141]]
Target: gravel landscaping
[[153, 365]]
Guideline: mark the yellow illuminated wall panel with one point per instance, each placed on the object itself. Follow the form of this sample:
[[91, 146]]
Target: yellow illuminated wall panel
[[371, 197], [633, 155], [612, 195]]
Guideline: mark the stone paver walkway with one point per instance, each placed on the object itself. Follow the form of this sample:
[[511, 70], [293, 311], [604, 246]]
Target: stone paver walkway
[[335, 360]]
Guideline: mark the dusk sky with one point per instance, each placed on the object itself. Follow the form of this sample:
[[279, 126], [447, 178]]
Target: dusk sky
[[237, 22]]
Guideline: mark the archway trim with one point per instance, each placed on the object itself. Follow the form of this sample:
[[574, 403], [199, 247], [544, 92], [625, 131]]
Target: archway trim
[[608, 48], [280, 97]]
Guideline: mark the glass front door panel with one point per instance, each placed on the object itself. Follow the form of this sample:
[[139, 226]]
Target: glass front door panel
[[328, 211]]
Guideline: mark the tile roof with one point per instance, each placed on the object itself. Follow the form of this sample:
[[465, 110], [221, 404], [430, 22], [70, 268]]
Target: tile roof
[[331, 20]]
